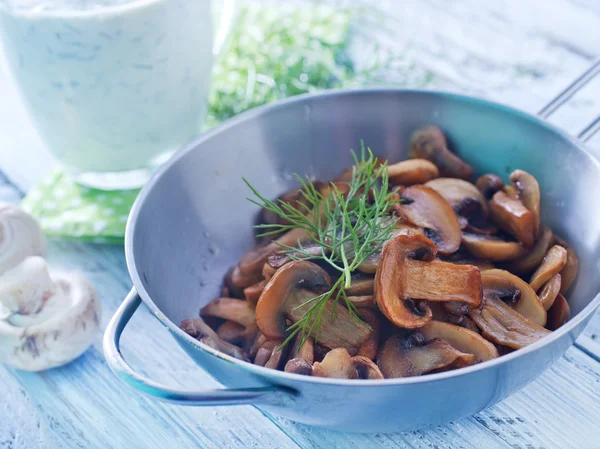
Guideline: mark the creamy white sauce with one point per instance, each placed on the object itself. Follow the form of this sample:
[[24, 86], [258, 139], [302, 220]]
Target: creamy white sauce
[[110, 84]]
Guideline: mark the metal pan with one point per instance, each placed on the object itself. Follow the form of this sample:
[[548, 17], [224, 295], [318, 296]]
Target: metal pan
[[191, 222]]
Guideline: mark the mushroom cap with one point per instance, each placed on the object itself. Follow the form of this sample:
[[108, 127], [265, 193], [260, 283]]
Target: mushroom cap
[[553, 262], [292, 285], [559, 313], [412, 171], [298, 366], [336, 364], [198, 329], [25, 288], [460, 338], [550, 291], [532, 259], [513, 217], [407, 271], [502, 325], [20, 237], [430, 143], [529, 193], [491, 247], [569, 271], [399, 358], [427, 209], [489, 184], [503, 284], [59, 332], [366, 368], [464, 197]]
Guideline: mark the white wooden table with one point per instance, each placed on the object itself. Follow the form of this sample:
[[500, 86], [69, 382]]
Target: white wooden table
[[514, 51]]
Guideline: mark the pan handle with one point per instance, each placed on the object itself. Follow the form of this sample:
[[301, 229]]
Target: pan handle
[[592, 128], [116, 362]]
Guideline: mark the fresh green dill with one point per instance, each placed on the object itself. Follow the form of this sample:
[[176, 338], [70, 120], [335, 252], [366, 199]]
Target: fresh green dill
[[348, 222]]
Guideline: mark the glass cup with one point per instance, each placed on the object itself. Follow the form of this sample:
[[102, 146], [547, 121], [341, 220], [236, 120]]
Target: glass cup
[[113, 87]]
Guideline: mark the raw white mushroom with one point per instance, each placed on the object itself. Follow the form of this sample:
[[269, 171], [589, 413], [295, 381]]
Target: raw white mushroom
[[20, 237], [61, 324]]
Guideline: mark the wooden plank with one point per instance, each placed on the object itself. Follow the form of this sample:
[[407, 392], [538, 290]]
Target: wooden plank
[[85, 405], [559, 410]]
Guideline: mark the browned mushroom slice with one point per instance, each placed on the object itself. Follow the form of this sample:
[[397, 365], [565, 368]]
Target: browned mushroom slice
[[488, 185], [232, 332], [466, 200], [462, 257], [370, 347], [253, 292], [529, 193], [402, 278], [533, 258], [271, 354], [559, 313], [267, 271], [456, 308], [550, 291], [366, 368], [569, 272], [502, 325], [463, 321], [430, 143], [236, 310], [427, 209], [310, 249], [294, 198], [285, 297], [516, 293], [306, 351], [336, 364], [360, 285], [198, 329], [553, 262], [298, 366], [365, 301], [460, 338], [398, 358], [513, 217], [491, 247], [236, 281], [412, 171]]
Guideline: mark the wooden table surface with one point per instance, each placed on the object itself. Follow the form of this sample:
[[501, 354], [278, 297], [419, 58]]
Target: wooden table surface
[[513, 51]]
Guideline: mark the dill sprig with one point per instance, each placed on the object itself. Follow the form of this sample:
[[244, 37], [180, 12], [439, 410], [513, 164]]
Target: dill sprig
[[347, 222]]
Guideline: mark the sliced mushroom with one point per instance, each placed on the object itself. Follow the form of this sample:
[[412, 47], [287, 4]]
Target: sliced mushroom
[[460, 338], [370, 347], [462, 257], [267, 272], [529, 193], [232, 332], [430, 143], [513, 217], [298, 366], [533, 258], [426, 208], [337, 364], [516, 293], [271, 354], [559, 313], [366, 368], [259, 340], [236, 310], [412, 171], [253, 292], [309, 249], [20, 237], [463, 321], [398, 358], [360, 285], [489, 184], [294, 198], [491, 247], [236, 281], [401, 277], [553, 262], [550, 291], [466, 200], [569, 272], [502, 325], [366, 301], [305, 351], [201, 331], [286, 296]]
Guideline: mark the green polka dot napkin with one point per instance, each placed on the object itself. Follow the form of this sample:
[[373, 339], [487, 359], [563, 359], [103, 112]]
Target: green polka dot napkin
[[66, 209]]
